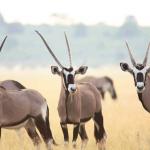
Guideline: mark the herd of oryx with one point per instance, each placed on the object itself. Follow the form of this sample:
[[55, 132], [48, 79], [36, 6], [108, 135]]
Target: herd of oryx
[[79, 101]]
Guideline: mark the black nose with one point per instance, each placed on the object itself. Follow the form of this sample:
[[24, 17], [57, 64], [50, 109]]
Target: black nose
[[73, 89], [114, 96], [140, 88]]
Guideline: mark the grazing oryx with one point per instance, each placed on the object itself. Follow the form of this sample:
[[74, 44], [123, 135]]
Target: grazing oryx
[[78, 103], [103, 84], [141, 78], [21, 107]]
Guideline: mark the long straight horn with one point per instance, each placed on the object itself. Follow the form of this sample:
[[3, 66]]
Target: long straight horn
[[131, 57], [146, 56], [3, 43], [49, 49], [69, 52]]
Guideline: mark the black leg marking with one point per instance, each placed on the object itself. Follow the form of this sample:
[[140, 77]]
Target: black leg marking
[[75, 132], [43, 129], [65, 131], [83, 133], [0, 132], [33, 135], [99, 130], [48, 127]]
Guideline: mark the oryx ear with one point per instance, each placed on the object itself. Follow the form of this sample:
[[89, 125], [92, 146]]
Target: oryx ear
[[55, 70], [82, 70], [124, 66]]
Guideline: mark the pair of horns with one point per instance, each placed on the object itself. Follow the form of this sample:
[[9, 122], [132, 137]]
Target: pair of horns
[[2, 44], [133, 60], [51, 52]]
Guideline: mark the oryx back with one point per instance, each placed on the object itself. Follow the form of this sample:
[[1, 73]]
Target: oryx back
[[18, 106]]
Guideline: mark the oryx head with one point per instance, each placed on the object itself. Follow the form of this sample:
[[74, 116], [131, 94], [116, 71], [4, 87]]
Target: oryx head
[[2, 44], [138, 70], [67, 73]]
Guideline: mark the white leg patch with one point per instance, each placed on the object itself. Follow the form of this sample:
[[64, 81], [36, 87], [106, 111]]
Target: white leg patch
[[44, 111], [74, 145], [66, 143], [49, 144], [96, 125]]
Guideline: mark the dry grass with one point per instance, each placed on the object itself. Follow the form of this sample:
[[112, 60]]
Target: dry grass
[[126, 122]]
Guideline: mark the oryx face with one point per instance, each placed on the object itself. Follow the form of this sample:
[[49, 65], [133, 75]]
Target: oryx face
[[68, 76], [139, 72]]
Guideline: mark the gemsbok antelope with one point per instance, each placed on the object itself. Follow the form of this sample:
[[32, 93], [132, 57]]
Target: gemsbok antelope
[[141, 78], [103, 84], [21, 107], [78, 103]]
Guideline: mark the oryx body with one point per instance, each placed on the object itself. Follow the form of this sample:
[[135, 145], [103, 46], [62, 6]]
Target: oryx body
[[21, 107], [79, 106], [78, 102], [103, 84]]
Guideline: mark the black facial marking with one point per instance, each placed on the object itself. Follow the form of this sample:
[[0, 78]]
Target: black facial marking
[[65, 81], [139, 66], [70, 79], [140, 77], [68, 69], [134, 78]]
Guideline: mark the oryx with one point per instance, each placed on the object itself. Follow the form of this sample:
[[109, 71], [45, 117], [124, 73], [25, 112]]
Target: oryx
[[78, 103], [103, 84], [141, 78], [21, 107]]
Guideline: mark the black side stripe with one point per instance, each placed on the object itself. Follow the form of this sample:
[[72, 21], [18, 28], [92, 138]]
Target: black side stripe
[[16, 123]]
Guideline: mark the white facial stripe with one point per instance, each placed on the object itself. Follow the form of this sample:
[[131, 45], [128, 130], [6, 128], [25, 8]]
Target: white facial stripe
[[140, 84], [71, 87]]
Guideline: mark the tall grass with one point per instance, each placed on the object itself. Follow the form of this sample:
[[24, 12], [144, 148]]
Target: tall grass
[[126, 122]]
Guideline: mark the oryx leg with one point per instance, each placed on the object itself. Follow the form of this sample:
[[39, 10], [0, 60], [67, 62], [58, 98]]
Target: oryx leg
[[65, 133], [42, 123], [99, 131], [83, 136], [75, 134], [31, 130]]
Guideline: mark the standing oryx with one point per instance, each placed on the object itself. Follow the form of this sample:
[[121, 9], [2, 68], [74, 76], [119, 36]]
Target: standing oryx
[[141, 78], [103, 84], [78, 103], [21, 107]]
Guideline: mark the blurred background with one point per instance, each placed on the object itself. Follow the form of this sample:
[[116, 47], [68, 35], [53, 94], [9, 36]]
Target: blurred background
[[96, 29]]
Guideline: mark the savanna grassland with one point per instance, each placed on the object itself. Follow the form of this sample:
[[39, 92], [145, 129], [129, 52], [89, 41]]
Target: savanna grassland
[[126, 122]]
